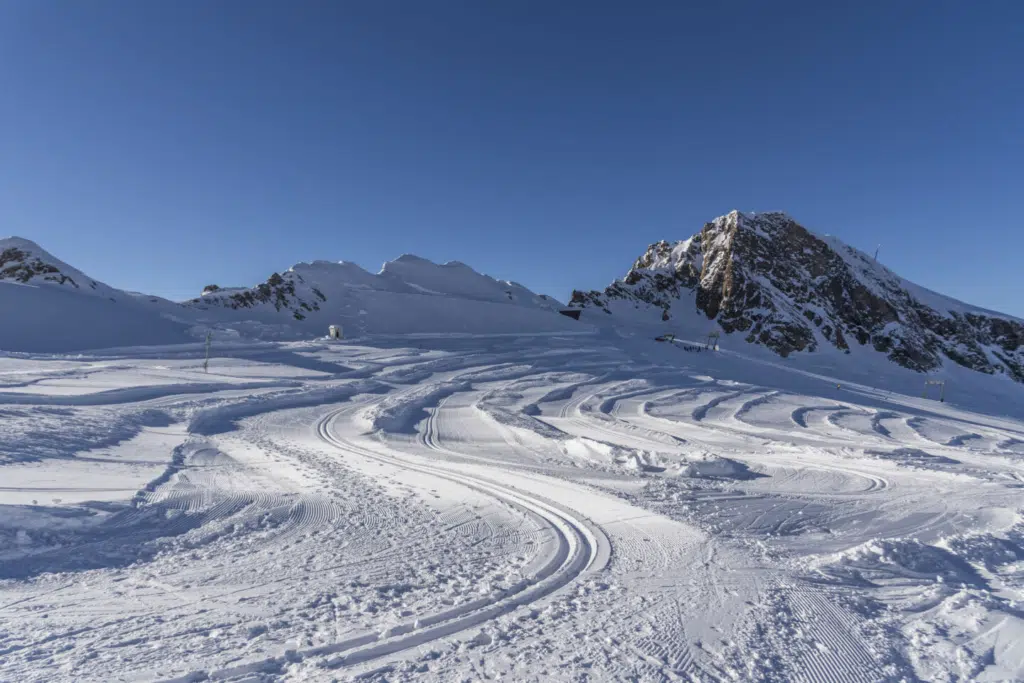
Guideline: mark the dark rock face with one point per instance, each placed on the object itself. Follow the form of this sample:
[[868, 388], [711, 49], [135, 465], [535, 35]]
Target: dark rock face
[[767, 277], [278, 290], [20, 266]]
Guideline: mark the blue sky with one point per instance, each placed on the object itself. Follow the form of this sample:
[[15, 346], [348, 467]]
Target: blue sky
[[162, 146]]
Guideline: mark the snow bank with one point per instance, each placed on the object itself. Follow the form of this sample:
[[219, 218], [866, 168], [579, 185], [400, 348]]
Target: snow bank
[[887, 561], [401, 412], [39, 319], [699, 465], [39, 433]]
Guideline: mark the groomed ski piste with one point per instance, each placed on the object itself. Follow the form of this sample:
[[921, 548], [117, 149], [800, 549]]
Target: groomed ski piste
[[555, 506]]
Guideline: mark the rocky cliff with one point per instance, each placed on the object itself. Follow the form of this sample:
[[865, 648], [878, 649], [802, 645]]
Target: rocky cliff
[[767, 278]]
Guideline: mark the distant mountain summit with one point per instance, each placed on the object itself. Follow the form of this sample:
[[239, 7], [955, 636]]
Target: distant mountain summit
[[48, 306], [767, 278], [24, 262], [441, 296]]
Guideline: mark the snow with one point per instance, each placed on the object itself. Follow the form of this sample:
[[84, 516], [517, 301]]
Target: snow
[[542, 505], [652, 294], [455, 279], [83, 283], [409, 295], [54, 318], [871, 272], [474, 487]]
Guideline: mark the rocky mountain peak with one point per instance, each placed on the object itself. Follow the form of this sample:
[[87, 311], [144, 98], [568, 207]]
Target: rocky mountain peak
[[766, 277], [24, 262]]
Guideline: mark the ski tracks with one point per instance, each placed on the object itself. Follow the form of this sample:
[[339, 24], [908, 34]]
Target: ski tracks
[[580, 547]]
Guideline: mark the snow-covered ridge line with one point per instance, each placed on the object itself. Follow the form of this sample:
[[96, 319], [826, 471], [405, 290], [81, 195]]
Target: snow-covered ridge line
[[45, 310], [25, 262], [304, 287], [790, 290]]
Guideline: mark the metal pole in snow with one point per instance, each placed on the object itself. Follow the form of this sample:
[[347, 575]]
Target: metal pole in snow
[[206, 363]]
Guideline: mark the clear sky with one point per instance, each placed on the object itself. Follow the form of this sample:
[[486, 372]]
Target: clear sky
[[161, 145]]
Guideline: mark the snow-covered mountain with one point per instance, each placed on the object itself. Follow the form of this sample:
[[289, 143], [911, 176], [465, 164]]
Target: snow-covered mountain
[[762, 278], [770, 280], [307, 287], [47, 305], [409, 294], [24, 262]]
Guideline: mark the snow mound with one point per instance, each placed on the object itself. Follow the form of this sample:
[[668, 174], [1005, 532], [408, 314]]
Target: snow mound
[[901, 562], [699, 465], [400, 413], [55, 318]]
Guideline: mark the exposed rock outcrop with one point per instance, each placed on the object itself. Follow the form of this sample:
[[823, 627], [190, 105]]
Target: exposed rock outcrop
[[779, 285]]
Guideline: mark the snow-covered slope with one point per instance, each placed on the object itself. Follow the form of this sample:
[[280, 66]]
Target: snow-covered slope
[[523, 508], [24, 262], [767, 278], [527, 506], [47, 305], [408, 295]]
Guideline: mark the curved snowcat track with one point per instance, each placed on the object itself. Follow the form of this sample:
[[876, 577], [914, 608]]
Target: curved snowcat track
[[580, 547]]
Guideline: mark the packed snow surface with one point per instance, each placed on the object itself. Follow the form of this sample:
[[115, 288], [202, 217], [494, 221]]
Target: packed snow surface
[[549, 506]]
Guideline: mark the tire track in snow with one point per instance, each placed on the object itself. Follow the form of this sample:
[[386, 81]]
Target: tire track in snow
[[917, 424], [876, 423], [1011, 445], [751, 404], [799, 416], [964, 440], [836, 417], [625, 434], [826, 425], [873, 483], [952, 434], [701, 411], [903, 430], [580, 547]]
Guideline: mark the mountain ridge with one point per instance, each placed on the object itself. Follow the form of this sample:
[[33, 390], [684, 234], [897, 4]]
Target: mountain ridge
[[791, 290], [25, 262], [53, 307], [763, 276], [306, 286]]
